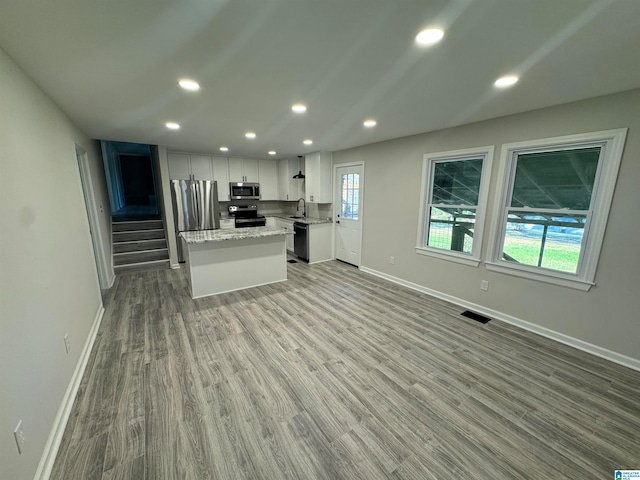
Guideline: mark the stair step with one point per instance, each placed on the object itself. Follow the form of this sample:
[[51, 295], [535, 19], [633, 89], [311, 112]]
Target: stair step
[[138, 245], [133, 226], [138, 267], [127, 258], [128, 236]]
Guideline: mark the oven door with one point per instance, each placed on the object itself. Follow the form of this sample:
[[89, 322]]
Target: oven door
[[250, 222]]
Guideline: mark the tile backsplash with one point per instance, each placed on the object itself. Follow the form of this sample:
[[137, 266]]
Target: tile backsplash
[[315, 210]]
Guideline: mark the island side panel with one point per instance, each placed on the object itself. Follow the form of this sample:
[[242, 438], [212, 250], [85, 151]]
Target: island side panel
[[225, 266]]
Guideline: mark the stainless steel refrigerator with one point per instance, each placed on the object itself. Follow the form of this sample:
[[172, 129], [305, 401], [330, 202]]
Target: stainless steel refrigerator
[[195, 207]]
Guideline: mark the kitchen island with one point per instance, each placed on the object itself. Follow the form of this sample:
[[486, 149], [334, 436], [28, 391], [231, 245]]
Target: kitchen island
[[220, 261]]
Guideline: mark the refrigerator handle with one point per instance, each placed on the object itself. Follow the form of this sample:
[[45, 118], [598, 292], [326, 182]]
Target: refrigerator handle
[[196, 207]]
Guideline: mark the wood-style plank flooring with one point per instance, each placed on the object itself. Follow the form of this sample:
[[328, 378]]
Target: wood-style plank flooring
[[336, 374]]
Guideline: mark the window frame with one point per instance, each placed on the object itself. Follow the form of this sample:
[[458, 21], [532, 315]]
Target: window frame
[[428, 164], [612, 146]]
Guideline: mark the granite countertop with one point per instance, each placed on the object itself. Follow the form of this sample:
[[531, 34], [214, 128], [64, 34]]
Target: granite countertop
[[307, 220], [203, 236]]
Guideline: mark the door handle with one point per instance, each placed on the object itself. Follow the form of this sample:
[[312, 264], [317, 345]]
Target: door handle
[[337, 221]]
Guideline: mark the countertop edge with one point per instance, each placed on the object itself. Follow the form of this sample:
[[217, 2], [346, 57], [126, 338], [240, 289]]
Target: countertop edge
[[224, 235], [306, 220]]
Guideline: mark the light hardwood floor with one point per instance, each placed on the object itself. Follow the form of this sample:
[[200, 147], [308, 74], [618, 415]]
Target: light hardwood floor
[[336, 374]]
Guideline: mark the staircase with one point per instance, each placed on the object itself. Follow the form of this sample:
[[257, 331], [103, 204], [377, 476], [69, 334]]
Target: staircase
[[139, 245]]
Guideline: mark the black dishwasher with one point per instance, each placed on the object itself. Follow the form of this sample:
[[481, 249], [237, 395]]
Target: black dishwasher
[[301, 240]]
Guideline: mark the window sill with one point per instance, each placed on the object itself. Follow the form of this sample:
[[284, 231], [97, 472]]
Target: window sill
[[575, 283], [444, 255]]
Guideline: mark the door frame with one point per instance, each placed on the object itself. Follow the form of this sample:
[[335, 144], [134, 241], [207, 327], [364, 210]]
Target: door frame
[[92, 216], [361, 206]]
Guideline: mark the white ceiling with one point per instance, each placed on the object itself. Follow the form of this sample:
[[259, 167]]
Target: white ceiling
[[112, 65]]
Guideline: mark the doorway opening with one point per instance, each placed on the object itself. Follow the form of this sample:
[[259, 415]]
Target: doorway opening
[[131, 181], [137, 229]]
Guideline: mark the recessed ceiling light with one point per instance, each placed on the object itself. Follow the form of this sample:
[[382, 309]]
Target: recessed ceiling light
[[299, 108], [190, 85], [506, 81], [224, 149], [307, 142], [250, 135], [430, 36], [272, 152], [369, 123], [172, 125]]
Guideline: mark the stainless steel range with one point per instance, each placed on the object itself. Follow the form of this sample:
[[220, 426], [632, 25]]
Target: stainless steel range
[[247, 216]]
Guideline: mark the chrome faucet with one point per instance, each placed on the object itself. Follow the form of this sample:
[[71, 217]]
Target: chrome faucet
[[304, 207]]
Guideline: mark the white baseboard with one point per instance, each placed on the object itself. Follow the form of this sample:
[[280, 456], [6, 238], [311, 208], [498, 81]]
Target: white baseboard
[[532, 327], [322, 261], [60, 422], [175, 266], [112, 278]]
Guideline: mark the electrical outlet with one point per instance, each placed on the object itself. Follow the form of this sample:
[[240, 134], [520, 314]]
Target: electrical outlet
[[484, 285], [18, 433], [392, 260], [67, 343]]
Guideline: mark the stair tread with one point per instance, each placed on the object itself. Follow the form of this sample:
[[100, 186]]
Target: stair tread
[[139, 235], [139, 259], [132, 252], [141, 230], [136, 226]]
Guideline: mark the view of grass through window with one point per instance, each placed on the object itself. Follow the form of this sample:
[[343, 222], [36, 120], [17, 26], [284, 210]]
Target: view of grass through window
[[560, 251], [449, 232], [453, 202], [548, 208]]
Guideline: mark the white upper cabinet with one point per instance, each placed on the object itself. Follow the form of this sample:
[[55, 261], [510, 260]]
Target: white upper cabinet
[[236, 174], [251, 170], [201, 167], [179, 166], [283, 182], [220, 168], [243, 170], [290, 188], [183, 166], [268, 174], [318, 185]]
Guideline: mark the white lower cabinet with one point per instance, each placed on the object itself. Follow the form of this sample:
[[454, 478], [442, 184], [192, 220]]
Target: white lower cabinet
[[288, 224], [320, 237], [320, 242]]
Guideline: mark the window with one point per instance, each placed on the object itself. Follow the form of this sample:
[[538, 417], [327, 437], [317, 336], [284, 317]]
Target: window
[[550, 219], [350, 196], [454, 191]]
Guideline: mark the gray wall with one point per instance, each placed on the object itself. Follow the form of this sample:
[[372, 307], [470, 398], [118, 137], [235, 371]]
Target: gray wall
[[607, 316], [48, 280]]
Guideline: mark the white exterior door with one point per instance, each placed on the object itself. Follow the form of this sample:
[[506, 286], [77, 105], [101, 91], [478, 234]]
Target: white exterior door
[[348, 213]]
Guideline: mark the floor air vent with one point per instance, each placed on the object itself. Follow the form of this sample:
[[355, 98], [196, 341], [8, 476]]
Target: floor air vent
[[475, 316]]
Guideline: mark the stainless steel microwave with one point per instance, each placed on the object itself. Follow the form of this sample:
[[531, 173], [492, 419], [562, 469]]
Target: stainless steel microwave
[[244, 191]]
